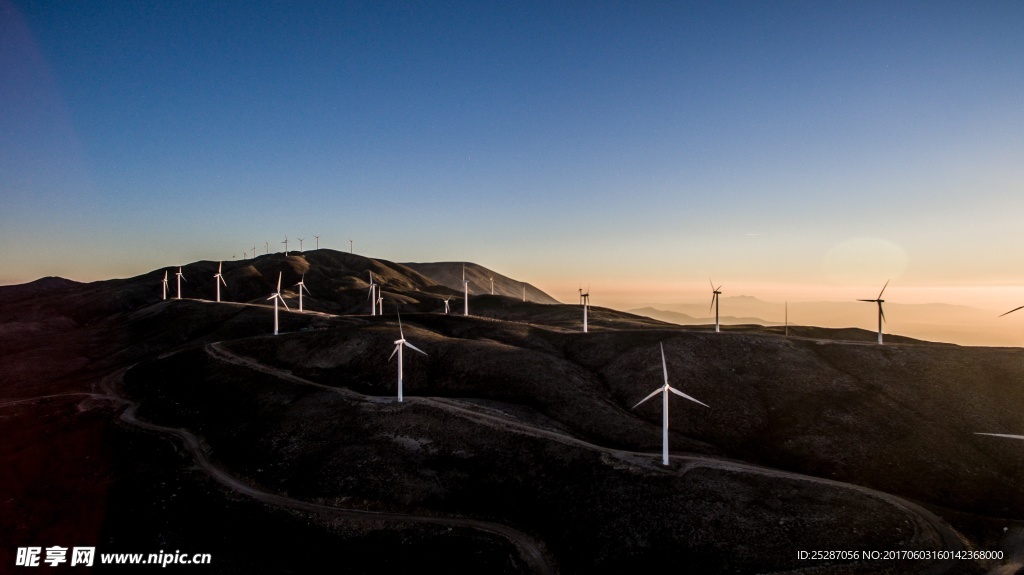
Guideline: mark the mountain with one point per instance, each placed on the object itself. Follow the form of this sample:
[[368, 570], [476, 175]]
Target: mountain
[[450, 274], [137, 424]]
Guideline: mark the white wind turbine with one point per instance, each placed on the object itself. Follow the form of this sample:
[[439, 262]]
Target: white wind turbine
[[492, 285], [317, 242], [181, 276], [446, 308], [254, 251], [285, 242], [300, 244], [465, 289], [380, 301], [277, 296], [268, 246], [399, 344], [524, 293], [664, 406], [219, 279], [350, 246], [881, 314], [165, 284], [302, 286], [714, 301]]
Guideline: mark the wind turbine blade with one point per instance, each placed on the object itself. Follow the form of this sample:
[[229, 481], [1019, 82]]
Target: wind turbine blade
[[222, 280], [883, 289], [653, 393], [400, 323], [220, 267], [1000, 435], [664, 366], [394, 352], [411, 346], [284, 302], [712, 306], [870, 300], [1009, 312], [279, 282], [272, 297], [681, 394], [881, 312]]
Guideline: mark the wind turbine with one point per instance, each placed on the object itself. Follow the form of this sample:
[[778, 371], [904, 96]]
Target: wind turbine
[[714, 301], [181, 276], [285, 242], [254, 251], [219, 279], [277, 296], [585, 300], [302, 286], [881, 314], [380, 301], [787, 318], [268, 246], [317, 242], [399, 344], [465, 289], [492, 285], [350, 246], [664, 406], [165, 284], [524, 293], [446, 308], [300, 244], [373, 295]]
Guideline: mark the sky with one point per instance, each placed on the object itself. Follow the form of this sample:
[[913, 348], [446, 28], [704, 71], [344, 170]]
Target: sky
[[787, 150]]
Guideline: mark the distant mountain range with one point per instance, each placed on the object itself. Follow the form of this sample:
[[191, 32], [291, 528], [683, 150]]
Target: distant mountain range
[[932, 321]]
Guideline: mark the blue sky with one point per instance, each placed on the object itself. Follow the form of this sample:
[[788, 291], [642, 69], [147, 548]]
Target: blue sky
[[640, 147]]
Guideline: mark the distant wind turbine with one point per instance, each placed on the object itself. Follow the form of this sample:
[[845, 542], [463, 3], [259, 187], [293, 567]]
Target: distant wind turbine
[[492, 285], [276, 297], [446, 309], [181, 276], [165, 284], [254, 251], [465, 289], [300, 244], [881, 314], [317, 242], [524, 293], [218, 279], [787, 318], [350, 246], [285, 242], [268, 246], [715, 292], [664, 406], [302, 286], [380, 301], [399, 344]]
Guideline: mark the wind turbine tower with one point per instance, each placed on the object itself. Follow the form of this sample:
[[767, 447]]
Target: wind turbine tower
[[664, 390], [399, 344], [165, 284], [585, 301], [373, 295], [300, 244], [492, 285], [218, 279], [465, 290], [181, 276], [446, 308], [277, 297], [317, 242], [715, 292], [302, 286], [881, 314], [285, 242]]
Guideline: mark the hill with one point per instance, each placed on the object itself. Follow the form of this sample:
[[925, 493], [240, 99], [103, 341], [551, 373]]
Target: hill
[[450, 274], [138, 424]]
